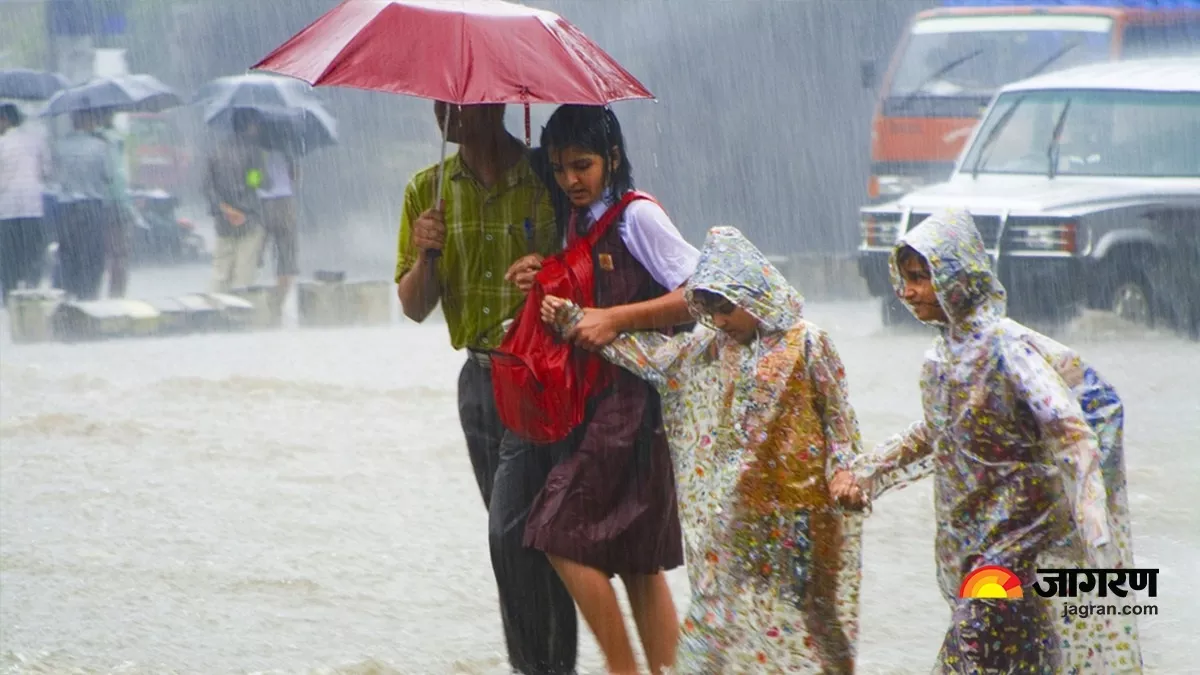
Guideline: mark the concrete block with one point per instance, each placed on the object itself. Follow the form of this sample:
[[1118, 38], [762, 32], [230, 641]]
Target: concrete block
[[103, 319], [260, 298], [30, 313]]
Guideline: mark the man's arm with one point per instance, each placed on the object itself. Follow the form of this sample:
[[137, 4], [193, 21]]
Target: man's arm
[[419, 289], [417, 283]]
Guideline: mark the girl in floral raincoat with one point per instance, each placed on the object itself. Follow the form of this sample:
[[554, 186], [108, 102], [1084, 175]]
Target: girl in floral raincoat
[[1024, 441], [759, 421]]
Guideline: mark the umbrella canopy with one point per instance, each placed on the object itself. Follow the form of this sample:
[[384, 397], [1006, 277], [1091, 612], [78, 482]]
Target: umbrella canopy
[[30, 85], [123, 93], [297, 130], [459, 51], [254, 89]]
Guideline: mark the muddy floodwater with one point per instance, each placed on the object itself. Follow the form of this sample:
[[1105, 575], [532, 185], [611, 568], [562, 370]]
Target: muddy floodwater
[[300, 501]]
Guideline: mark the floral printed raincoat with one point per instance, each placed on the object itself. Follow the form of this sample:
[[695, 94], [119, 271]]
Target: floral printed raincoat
[[755, 433], [1024, 441]]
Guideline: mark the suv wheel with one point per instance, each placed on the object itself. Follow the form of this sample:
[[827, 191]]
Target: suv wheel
[[1130, 300]]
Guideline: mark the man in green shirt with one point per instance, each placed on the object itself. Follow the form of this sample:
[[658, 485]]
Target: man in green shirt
[[456, 248]]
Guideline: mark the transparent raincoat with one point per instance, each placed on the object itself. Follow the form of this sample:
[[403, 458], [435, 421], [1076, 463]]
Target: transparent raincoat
[[755, 433], [1024, 442]]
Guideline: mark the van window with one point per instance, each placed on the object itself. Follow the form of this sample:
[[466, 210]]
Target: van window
[[949, 58], [1169, 39]]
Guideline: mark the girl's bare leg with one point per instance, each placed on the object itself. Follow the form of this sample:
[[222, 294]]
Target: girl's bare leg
[[597, 601], [657, 623]]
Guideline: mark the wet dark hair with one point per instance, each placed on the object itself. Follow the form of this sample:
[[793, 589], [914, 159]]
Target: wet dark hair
[[594, 129], [712, 303], [243, 118], [539, 161], [906, 253]]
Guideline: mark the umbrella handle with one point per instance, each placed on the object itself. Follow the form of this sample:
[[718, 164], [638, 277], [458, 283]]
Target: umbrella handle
[[434, 254]]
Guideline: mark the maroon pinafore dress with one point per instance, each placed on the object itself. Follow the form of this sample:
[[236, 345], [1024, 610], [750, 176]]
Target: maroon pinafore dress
[[610, 503]]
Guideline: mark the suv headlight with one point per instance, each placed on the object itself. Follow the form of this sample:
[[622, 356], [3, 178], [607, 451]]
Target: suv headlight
[[880, 230], [892, 185], [1048, 237]]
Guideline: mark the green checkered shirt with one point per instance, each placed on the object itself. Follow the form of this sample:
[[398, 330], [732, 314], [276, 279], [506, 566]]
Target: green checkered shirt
[[485, 233]]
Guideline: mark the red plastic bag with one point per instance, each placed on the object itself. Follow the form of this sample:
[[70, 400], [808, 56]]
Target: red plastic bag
[[541, 383]]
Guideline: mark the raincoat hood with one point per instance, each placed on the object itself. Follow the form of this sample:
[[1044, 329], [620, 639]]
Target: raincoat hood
[[735, 269], [967, 289]]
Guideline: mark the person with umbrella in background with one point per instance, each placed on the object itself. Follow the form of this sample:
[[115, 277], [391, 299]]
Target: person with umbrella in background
[[292, 122], [87, 178], [24, 169], [456, 250], [93, 194], [123, 215], [278, 202], [233, 174]]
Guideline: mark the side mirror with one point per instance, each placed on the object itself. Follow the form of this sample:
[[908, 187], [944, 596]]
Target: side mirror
[[867, 71]]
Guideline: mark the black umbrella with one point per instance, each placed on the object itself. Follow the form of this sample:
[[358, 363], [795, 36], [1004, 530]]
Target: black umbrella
[[123, 93], [298, 130], [30, 85]]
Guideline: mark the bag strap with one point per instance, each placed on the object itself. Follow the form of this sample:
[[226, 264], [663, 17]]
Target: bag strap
[[613, 213]]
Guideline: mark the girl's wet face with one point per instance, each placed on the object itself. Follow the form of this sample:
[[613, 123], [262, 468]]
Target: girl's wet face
[[581, 173]]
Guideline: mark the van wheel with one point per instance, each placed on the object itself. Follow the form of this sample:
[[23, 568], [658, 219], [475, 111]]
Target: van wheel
[[1130, 300]]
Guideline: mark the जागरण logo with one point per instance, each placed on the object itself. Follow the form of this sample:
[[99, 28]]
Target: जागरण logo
[[992, 581]]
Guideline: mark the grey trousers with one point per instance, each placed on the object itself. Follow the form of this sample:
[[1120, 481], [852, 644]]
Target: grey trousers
[[536, 610]]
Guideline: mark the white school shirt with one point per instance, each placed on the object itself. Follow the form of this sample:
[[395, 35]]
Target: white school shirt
[[653, 240]]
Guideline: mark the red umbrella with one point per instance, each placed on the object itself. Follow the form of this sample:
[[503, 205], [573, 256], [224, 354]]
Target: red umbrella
[[458, 51]]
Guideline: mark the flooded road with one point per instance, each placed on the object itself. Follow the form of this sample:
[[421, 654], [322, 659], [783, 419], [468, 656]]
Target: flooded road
[[300, 501]]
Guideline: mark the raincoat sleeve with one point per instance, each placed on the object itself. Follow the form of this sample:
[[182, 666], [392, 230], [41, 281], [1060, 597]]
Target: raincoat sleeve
[[899, 461], [842, 439], [1070, 442], [650, 355]]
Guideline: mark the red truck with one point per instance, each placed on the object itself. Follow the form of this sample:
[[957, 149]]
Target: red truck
[[952, 60]]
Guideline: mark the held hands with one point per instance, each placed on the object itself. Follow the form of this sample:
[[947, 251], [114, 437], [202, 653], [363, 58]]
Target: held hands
[[429, 231], [556, 311], [846, 491], [523, 271], [595, 328]]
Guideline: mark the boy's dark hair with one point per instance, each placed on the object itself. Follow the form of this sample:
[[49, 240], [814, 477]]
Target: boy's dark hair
[[594, 129], [712, 303]]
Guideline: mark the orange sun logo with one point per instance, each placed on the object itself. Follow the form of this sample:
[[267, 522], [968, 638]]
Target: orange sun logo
[[992, 581]]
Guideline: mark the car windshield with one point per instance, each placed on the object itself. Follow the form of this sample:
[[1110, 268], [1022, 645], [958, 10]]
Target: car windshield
[[959, 56], [1100, 133]]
